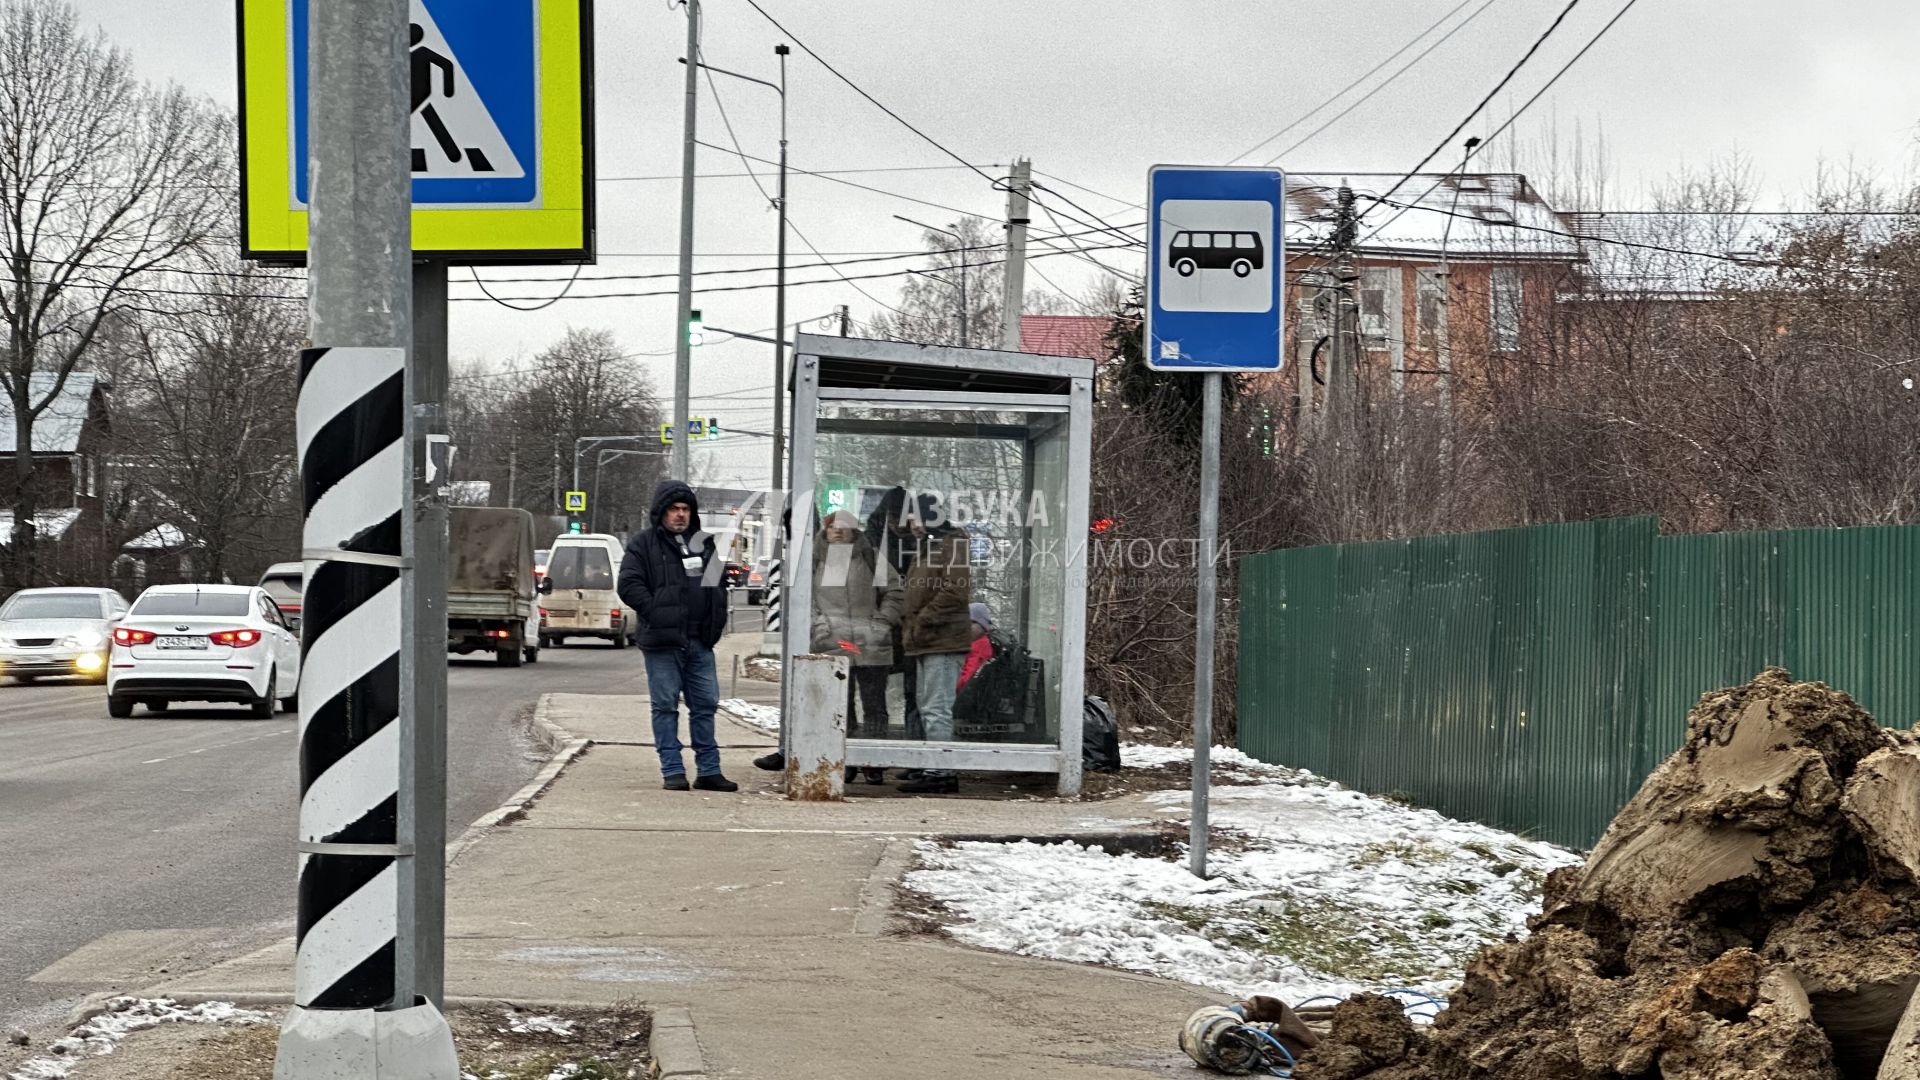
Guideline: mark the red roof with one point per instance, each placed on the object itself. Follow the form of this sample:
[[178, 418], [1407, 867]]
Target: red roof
[[1065, 335]]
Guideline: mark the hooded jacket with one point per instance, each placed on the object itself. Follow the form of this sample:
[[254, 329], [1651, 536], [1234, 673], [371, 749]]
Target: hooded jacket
[[853, 603], [673, 605]]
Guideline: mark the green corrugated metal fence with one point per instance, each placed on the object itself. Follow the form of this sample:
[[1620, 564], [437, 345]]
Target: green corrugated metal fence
[[1530, 678]]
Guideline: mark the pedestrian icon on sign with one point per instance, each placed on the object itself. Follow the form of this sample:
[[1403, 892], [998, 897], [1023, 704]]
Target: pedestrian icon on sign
[[454, 134], [423, 61]]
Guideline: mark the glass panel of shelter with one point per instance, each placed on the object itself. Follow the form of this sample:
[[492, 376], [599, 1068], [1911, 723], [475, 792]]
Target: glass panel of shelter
[[935, 519]]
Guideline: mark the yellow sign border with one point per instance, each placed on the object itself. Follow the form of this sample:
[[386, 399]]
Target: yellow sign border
[[571, 501], [561, 230]]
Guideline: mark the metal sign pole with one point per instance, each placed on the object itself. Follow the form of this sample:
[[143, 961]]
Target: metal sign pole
[[359, 1008], [1204, 617]]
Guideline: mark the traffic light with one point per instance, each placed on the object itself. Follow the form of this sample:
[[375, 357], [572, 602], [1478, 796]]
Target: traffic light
[[713, 427], [573, 527], [693, 327]]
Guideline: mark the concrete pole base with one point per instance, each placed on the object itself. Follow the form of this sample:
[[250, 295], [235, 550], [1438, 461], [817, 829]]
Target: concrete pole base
[[366, 1044], [770, 644]]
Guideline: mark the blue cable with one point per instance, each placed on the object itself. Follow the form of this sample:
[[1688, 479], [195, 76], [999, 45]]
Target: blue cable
[[1280, 1046]]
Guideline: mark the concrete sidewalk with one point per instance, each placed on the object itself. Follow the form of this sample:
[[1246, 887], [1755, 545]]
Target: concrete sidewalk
[[771, 923]]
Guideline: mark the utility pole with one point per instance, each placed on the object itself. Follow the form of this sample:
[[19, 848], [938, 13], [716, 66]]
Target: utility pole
[[846, 321], [683, 345], [1343, 350], [780, 291], [1014, 293], [366, 977], [1443, 333]]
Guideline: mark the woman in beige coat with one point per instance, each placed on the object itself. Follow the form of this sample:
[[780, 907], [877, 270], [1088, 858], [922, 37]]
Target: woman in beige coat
[[854, 616]]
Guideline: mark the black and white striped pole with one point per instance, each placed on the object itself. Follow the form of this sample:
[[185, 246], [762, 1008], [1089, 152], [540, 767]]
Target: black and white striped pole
[[364, 999]]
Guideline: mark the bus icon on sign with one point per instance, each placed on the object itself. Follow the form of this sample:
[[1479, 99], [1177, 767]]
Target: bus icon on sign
[[1240, 252]]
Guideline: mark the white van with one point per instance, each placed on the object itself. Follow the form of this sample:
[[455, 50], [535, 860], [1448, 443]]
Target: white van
[[579, 597]]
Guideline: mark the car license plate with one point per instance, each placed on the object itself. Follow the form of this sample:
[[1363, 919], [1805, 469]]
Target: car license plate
[[180, 643]]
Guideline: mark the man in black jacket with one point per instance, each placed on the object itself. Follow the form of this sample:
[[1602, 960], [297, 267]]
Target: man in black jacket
[[672, 582]]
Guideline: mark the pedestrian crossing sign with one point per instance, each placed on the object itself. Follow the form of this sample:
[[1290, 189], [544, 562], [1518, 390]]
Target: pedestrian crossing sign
[[501, 124], [576, 501]]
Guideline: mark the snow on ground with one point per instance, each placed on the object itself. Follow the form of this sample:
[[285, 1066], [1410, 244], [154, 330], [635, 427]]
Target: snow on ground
[[1316, 890], [1143, 756], [539, 1025], [764, 717], [124, 1016]]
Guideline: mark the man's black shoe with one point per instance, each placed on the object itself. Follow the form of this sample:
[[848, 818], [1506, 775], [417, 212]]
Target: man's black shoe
[[676, 782], [932, 785], [714, 782], [774, 762]]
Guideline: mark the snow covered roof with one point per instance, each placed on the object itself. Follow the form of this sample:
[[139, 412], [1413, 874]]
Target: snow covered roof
[[1065, 335], [162, 537], [1474, 215], [51, 524], [58, 429]]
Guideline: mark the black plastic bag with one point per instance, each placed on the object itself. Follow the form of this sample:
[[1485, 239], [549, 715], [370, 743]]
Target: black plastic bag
[[1099, 737]]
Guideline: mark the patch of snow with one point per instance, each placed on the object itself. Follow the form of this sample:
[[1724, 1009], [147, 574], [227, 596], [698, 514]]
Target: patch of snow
[[124, 1016], [1145, 756], [1316, 890], [764, 717], [564, 1072], [539, 1025]]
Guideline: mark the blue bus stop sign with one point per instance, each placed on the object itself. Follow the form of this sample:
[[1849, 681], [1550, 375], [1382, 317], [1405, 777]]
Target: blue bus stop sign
[[1216, 263]]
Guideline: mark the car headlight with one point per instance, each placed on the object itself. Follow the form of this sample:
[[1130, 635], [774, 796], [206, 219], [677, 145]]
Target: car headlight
[[90, 639]]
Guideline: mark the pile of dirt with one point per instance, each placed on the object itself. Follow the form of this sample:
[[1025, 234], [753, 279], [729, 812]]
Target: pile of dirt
[[1752, 914]]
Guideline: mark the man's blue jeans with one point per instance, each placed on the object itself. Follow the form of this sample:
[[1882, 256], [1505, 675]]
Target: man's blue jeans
[[672, 673]]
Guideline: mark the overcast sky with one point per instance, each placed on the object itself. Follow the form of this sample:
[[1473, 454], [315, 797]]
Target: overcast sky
[[1095, 91]]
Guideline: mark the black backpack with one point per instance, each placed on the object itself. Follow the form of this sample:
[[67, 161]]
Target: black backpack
[[996, 705]]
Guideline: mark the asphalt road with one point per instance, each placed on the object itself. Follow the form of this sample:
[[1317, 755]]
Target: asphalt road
[[186, 821]]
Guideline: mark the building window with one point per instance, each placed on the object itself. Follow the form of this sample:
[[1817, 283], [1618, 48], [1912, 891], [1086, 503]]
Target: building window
[[1430, 298], [1377, 296], [1503, 289]]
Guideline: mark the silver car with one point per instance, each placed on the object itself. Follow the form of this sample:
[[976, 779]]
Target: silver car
[[53, 632]]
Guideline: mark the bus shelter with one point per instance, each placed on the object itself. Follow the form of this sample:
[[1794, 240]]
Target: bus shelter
[[970, 461]]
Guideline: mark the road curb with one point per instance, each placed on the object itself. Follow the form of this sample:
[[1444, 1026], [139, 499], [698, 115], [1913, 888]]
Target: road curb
[[564, 748], [675, 1045]]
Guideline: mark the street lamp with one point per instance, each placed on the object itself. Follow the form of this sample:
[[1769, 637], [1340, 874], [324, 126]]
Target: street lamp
[[599, 459], [780, 259], [585, 441], [958, 243]]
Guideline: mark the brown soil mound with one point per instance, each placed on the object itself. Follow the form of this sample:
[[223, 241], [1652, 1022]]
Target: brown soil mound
[[1752, 914]]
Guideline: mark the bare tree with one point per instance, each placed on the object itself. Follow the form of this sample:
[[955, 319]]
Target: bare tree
[[930, 310], [519, 431], [206, 434], [102, 180]]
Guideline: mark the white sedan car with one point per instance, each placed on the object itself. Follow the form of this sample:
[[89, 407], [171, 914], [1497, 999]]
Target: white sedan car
[[203, 643]]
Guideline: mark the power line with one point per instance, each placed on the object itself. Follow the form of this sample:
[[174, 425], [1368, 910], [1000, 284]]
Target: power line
[[1591, 42], [1109, 226], [541, 305], [1338, 94], [808, 49], [1591, 238], [1368, 96], [856, 287], [768, 285], [848, 183], [1090, 191], [813, 172], [1491, 94]]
